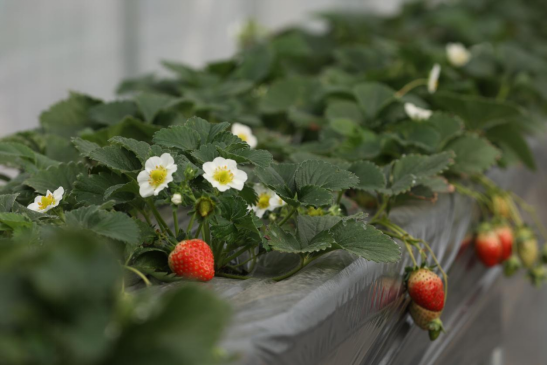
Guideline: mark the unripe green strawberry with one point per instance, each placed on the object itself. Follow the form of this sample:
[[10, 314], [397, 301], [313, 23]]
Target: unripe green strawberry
[[506, 238], [501, 206], [488, 248], [426, 289], [423, 317], [528, 252], [511, 265], [192, 259], [537, 275]]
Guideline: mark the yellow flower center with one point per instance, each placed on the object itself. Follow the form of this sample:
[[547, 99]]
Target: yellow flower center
[[46, 201], [223, 175], [264, 201], [243, 137], [158, 176]]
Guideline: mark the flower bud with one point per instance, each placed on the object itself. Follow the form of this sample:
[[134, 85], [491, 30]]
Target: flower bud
[[190, 173], [205, 206], [176, 199]]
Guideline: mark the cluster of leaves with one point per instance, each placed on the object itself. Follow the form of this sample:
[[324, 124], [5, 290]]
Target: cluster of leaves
[[66, 305]]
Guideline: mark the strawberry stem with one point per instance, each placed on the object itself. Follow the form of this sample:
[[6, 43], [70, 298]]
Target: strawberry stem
[[410, 86], [190, 225], [287, 217], [139, 274]]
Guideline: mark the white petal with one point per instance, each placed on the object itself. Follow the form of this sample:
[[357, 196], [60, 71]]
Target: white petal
[[34, 206], [171, 169], [252, 141], [238, 128], [260, 212], [167, 159], [53, 205], [259, 188], [146, 190], [274, 202], [58, 194], [219, 161], [232, 165], [236, 184], [209, 168], [143, 177], [38, 199], [223, 187], [240, 175], [152, 163], [48, 193], [433, 78]]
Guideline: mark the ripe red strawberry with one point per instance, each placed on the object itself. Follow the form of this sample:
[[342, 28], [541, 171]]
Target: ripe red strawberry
[[426, 289], [506, 238], [192, 259], [488, 248]]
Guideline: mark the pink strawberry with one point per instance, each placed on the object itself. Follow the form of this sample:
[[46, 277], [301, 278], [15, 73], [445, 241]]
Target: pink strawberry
[[488, 248], [426, 289], [192, 259]]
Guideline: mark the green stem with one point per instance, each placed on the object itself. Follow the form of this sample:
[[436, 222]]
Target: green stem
[[339, 197], [139, 274], [299, 267], [190, 225], [199, 229], [158, 217], [145, 215], [532, 212], [381, 209], [230, 276], [175, 221], [410, 86], [207, 234], [288, 216], [235, 255]]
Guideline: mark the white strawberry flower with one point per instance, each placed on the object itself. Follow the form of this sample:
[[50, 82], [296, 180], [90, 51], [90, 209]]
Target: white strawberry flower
[[416, 113], [433, 78], [457, 54], [244, 133], [223, 174], [158, 173], [267, 200], [44, 203]]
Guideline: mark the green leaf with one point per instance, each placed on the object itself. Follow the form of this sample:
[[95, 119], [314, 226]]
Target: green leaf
[[184, 327], [447, 127], [410, 170], [285, 93], [180, 137], [472, 154], [510, 136], [116, 158], [373, 97], [6, 202], [344, 109], [309, 227], [151, 104], [90, 189], [55, 176], [477, 112], [129, 128], [244, 155], [207, 131], [141, 149], [206, 153], [113, 112], [256, 63], [324, 175], [115, 225], [283, 241], [68, 117], [314, 196], [365, 241], [370, 175], [16, 154], [11, 221]]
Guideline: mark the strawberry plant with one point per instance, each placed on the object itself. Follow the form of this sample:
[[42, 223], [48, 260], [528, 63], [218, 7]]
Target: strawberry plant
[[302, 143]]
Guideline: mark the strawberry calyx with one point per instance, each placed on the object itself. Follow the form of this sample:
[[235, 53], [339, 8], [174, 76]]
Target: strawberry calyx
[[512, 265], [435, 328]]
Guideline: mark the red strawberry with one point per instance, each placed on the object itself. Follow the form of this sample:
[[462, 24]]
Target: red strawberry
[[192, 259], [506, 238], [488, 248], [426, 289]]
